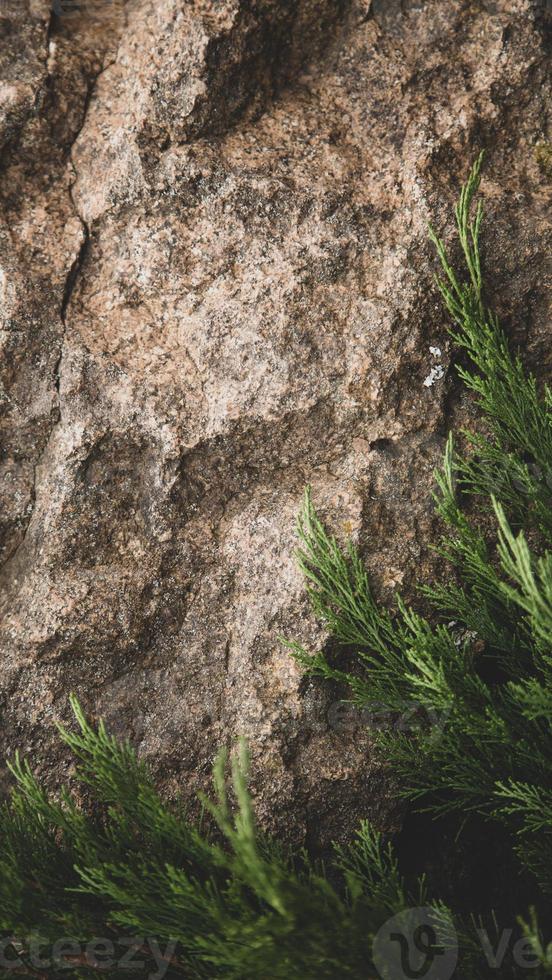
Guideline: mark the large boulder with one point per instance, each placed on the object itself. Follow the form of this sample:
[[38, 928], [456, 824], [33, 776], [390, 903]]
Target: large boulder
[[216, 288]]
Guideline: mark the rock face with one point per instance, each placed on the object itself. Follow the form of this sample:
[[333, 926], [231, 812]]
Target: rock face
[[216, 288]]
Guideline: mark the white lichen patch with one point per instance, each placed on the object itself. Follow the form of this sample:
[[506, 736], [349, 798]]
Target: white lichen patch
[[434, 375], [437, 372]]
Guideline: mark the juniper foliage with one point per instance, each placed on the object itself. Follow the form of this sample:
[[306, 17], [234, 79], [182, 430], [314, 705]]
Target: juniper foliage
[[186, 901], [129, 866], [127, 886], [483, 660]]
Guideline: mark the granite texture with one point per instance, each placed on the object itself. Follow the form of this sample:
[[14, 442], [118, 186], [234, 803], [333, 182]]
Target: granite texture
[[216, 287]]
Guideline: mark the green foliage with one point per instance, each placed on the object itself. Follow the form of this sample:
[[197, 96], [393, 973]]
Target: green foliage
[[162, 898], [108, 858], [128, 866], [485, 657]]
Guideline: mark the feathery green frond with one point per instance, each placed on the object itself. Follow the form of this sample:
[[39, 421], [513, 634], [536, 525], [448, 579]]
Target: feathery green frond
[[488, 671]]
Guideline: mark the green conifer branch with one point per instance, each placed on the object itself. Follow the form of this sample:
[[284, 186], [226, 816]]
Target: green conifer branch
[[232, 904], [496, 744]]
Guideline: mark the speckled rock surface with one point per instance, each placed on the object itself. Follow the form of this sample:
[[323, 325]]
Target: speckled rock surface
[[216, 287]]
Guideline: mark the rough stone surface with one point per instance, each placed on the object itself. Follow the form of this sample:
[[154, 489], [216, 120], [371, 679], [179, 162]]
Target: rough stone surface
[[215, 288]]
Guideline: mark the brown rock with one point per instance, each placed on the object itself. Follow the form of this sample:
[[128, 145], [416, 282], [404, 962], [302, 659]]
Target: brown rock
[[216, 287]]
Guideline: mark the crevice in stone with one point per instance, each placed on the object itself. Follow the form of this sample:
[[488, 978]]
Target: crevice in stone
[[79, 260], [367, 15], [74, 271], [49, 33], [68, 289], [227, 652], [70, 283]]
